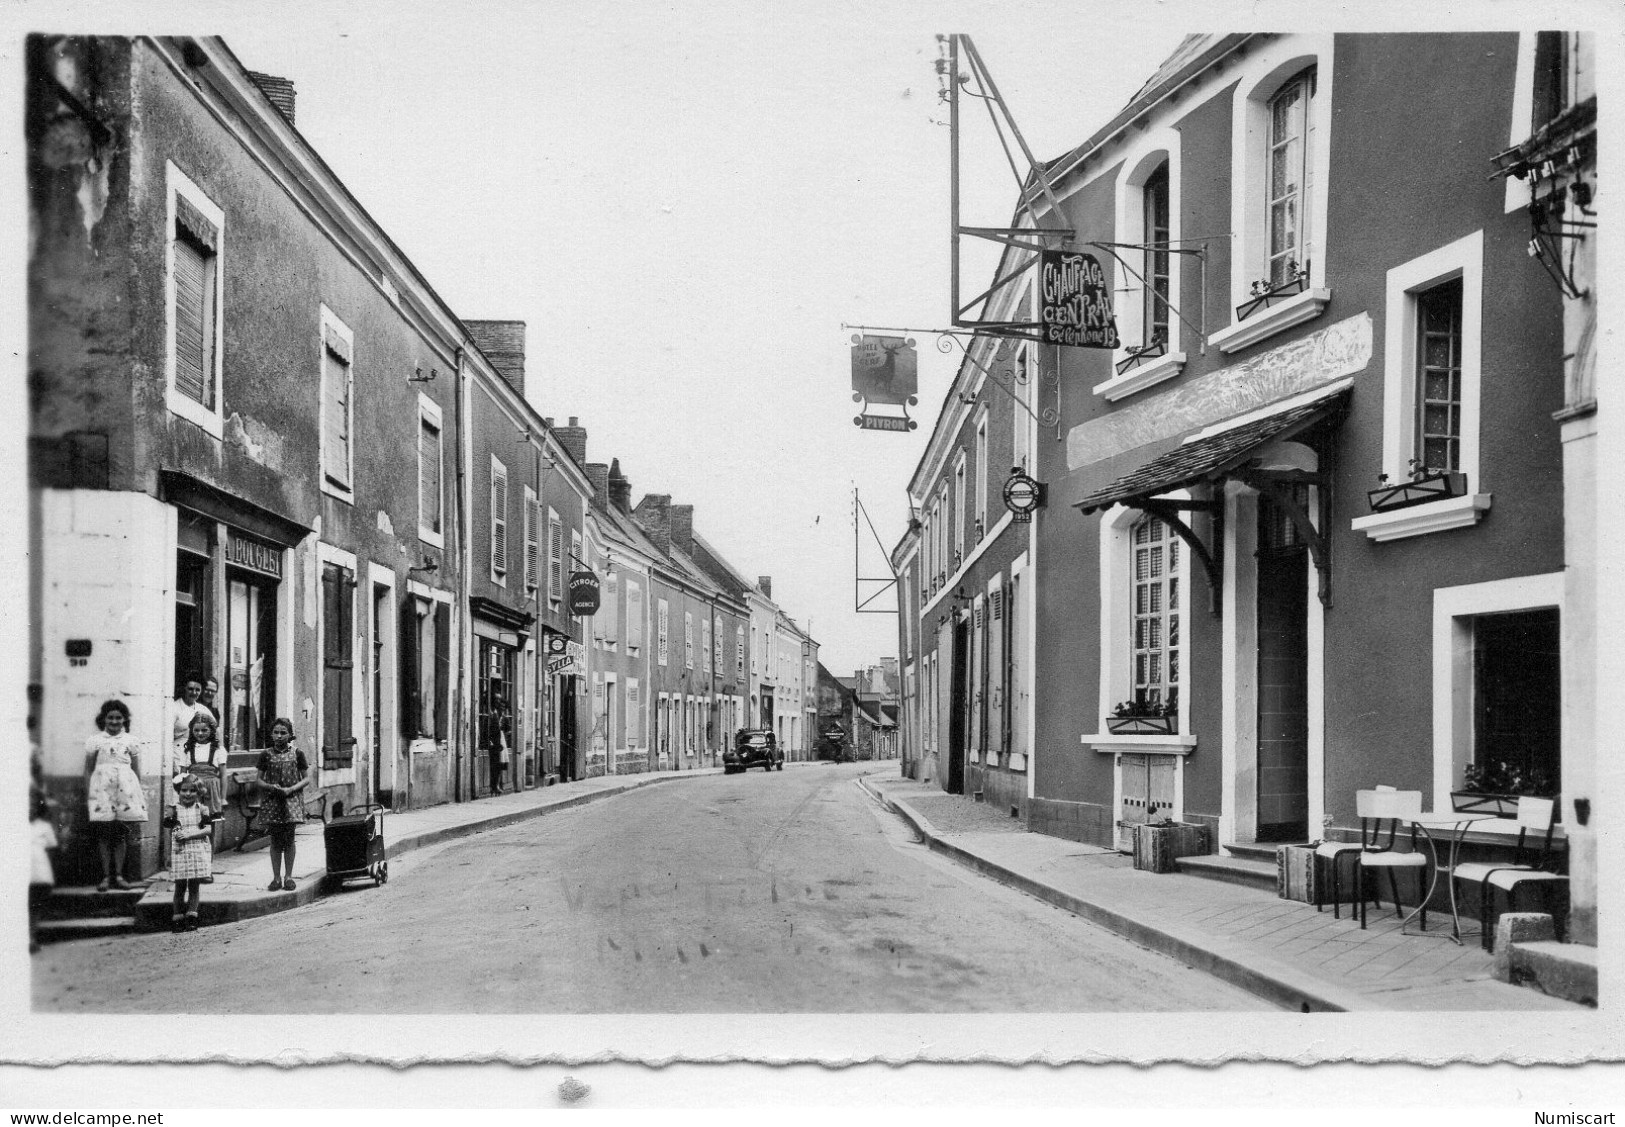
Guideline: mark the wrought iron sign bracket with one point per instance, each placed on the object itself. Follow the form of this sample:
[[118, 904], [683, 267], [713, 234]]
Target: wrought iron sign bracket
[[1168, 510], [1275, 484]]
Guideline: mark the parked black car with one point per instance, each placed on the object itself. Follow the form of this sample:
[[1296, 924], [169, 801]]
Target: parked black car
[[753, 747]]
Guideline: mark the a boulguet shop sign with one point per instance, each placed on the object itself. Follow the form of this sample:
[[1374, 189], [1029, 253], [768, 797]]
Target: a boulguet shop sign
[[253, 555]]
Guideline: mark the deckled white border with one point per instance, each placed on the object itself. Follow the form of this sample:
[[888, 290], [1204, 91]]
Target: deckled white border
[[839, 1040]]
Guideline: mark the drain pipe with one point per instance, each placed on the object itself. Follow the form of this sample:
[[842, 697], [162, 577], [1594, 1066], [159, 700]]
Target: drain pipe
[[464, 563]]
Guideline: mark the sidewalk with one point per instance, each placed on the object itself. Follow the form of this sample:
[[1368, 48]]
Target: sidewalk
[[1281, 950], [239, 890]]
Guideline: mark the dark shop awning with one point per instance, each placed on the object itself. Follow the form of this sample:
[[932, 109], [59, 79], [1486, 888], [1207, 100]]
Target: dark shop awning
[[1208, 459]]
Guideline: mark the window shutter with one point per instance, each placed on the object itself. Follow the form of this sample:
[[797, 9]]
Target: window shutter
[[716, 650], [338, 602], [610, 612], [634, 615], [555, 559], [499, 519], [634, 713], [336, 414], [429, 476], [192, 375], [442, 667], [530, 544], [996, 602], [662, 627], [409, 640], [739, 651], [688, 639], [705, 644]]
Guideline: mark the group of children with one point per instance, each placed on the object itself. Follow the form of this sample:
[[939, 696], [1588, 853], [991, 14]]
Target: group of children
[[116, 802]]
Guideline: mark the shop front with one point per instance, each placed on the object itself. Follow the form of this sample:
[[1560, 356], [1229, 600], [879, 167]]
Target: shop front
[[500, 636]]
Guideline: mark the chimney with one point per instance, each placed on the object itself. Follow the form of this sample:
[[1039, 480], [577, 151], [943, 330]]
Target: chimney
[[765, 583], [503, 343], [277, 91], [620, 489], [598, 474], [682, 528], [654, 517], [574, 440]]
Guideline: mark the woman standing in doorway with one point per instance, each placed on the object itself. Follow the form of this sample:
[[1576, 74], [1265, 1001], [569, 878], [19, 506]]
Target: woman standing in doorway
[[113, 789], [189, 705], [283, 771]]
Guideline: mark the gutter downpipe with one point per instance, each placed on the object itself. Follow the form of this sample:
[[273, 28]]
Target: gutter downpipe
[[464, 563]]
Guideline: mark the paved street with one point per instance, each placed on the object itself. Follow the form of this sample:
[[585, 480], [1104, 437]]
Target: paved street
[[783, 892]]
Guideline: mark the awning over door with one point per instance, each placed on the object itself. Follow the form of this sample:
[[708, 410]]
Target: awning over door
[[1211, 458], [1229, 454]]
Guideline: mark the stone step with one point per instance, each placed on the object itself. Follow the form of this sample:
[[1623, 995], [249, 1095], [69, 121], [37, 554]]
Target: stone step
[[55, 931], [1235, 870], [1255, 850], [79, 902]]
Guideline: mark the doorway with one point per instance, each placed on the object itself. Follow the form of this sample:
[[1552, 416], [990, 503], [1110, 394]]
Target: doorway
[[1283, 676], [959, 708]]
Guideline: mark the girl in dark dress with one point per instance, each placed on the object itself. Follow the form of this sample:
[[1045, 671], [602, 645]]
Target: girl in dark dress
[[283, 777]]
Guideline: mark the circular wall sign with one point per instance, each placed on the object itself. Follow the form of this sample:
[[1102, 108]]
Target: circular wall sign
[[1022, 496]]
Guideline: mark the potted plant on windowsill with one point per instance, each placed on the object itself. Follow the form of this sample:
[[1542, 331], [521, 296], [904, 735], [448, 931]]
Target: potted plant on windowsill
[[1495, 786], [1144, 718], [1423, 486]]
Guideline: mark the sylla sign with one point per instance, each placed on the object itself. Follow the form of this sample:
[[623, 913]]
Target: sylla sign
[[1077, 307], [583, 593]]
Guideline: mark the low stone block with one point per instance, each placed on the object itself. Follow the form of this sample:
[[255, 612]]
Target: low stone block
[[1519, 927]]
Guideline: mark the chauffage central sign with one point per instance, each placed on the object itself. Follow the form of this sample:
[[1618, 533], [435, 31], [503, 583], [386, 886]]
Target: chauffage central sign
[[1076, 300]]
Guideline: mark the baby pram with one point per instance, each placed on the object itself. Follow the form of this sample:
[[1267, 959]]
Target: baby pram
[[355, 844]]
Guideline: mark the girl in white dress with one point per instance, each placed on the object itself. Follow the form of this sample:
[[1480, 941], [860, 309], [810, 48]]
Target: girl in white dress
[[113, 789]]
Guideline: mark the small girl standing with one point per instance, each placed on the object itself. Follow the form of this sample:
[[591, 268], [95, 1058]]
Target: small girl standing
[[113, 789], [191, 859], [282, 771], [202, 757]]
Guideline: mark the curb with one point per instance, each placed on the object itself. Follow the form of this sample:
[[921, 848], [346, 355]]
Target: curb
[[1284, 986], [152, 911]]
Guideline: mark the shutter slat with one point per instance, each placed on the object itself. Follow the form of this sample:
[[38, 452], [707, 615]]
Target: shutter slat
[[190, 347]]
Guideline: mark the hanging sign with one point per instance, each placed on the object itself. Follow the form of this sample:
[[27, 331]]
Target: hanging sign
[[568, 661], [884, 369], [1023, 496], [885, 422], [1076, 301], [583, 593]]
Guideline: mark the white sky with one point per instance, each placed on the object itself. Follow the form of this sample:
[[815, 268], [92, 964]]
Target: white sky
[[685, 203]]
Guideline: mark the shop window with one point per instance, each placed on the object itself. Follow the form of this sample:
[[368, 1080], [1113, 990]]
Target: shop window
[[338, 667], [499, 522], [251, 669], [1517, 698], [425, 665], [194, 598], [338, 407], [431, 461], [194, 290]]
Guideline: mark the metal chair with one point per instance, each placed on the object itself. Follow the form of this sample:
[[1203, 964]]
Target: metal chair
[[1533, 866], [1388, 808], [1334, 852]]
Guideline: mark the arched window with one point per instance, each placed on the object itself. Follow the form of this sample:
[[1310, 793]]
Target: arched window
[[1291, 163], [1154, 613], [1154, 206]]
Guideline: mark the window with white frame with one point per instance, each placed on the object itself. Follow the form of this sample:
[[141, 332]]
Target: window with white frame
[[1432, 355], [1289, 177], [499, 521], [662, 632], [634, 712], [980, 483], [945, 563], [1021, 418], [338, 406], [431, 474], [194, 285], [959, 510], [555, 558], [1154, 613], [1281, 159], [608, 617], [531, 522]]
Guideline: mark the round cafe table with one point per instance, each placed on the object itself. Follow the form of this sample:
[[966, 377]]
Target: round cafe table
[[1451, 823]]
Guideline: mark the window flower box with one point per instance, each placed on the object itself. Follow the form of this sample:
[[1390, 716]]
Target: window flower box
[[1142, 725], [1417, 491]]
